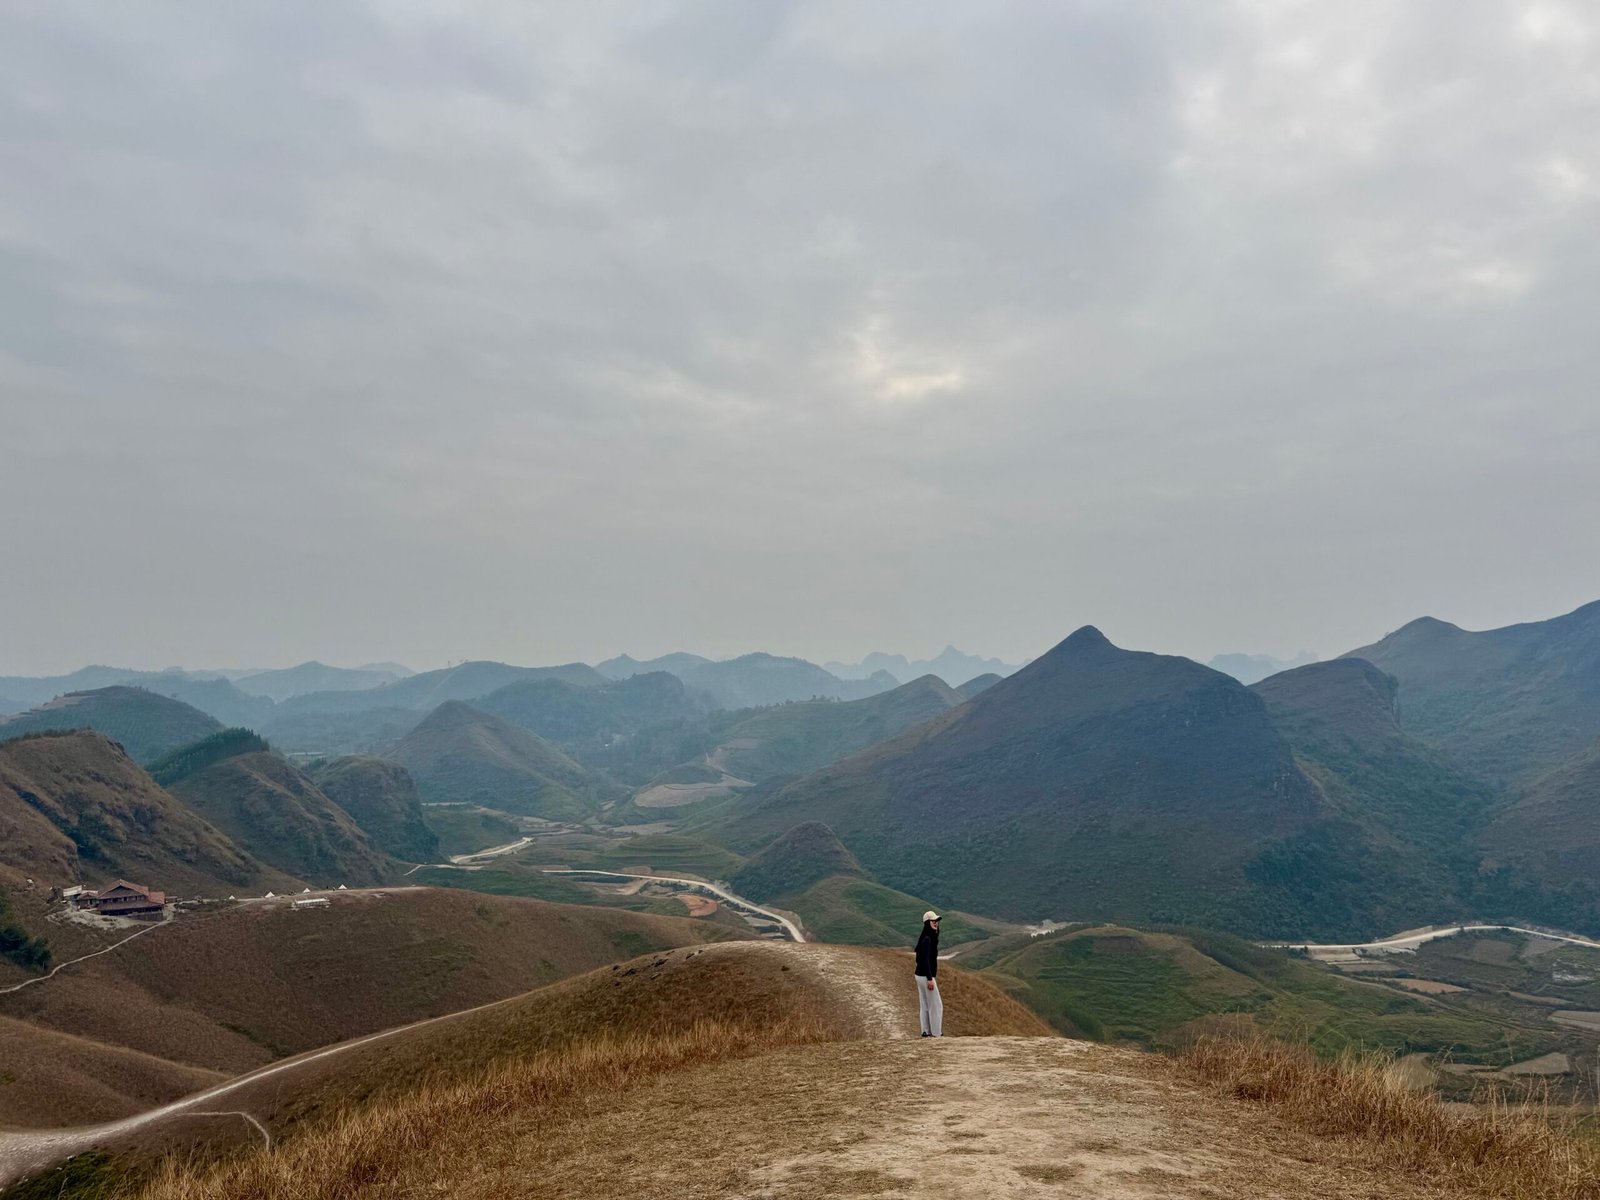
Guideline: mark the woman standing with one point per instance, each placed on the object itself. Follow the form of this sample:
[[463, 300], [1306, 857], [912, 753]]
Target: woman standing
[[927, 969]]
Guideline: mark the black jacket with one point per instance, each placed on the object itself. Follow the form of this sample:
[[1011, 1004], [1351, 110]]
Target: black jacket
[[928, 953]]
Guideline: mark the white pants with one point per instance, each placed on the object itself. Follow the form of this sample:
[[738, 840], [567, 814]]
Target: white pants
[[932, 1007]]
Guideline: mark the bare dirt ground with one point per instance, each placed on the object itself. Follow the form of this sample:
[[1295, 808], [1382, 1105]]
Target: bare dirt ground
[[1001, 1118]]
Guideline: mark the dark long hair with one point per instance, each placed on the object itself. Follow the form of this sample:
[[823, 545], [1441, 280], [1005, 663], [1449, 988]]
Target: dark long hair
[[929, 929]]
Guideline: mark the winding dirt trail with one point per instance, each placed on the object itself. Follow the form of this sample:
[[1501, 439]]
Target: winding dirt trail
[[17, 987], [859, 983]]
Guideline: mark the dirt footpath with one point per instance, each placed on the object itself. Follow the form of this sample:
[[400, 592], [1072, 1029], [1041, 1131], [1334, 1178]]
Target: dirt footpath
[[941, 1119]]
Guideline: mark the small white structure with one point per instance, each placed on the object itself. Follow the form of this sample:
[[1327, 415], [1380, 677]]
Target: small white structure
[[270, 896], [312, 902], [342, 888]]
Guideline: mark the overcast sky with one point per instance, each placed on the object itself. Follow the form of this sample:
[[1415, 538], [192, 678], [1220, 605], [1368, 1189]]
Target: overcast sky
[[430, 331]]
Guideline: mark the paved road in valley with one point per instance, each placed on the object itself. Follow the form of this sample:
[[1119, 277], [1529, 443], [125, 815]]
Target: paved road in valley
[[1410, 941], [699, 885]]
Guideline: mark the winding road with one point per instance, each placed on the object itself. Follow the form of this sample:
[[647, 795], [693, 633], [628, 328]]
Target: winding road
[[700, 885], [1410, 941]]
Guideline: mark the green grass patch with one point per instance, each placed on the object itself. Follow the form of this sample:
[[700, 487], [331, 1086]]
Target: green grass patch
[[858, 912]]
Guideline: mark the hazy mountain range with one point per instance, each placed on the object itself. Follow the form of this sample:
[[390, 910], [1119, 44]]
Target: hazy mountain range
[[1433, 774]]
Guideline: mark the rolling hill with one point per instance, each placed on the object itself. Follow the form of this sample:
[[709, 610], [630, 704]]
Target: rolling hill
[[579, 1039], [1510, 704], [274, 810], [382, 799], [249, 984], [809, 871], [146, 724], [1159, 988], [462, 755], [1094, 782], [75, 808], [1541, 846]]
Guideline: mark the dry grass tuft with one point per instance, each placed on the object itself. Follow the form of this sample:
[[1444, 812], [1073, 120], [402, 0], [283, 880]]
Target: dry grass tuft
[[394, 1148], [1514, 1151]]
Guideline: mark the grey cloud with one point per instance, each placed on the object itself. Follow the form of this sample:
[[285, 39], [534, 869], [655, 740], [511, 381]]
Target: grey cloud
[[546, 331]]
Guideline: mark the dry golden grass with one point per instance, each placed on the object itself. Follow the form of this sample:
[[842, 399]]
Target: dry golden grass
[[233, 990], [469, 1091], [394, 1148], [1512, 1151], [49, 1078]]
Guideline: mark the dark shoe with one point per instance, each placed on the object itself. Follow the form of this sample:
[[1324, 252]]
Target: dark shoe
[[927, 1035]]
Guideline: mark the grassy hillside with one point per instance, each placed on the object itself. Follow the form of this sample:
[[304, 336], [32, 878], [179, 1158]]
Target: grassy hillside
[[1396, 850], [1095, 781], [146, 725], [275, 811], [461, 754], [563, 1049], [1510, 704], [853, 911], [75, 808], [51, 1078], [214, 748], [239, 988], [791, 739], [793, 861], [1162, 989], [465, 829], [382, 799], [1540, 848], [17, 945]]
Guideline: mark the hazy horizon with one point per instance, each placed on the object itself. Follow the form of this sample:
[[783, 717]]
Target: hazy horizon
[[433, 332]]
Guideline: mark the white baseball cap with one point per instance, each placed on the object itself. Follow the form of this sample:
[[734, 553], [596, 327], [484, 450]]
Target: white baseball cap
[[930, 915]]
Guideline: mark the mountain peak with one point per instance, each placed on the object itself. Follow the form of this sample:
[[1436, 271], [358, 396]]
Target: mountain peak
[[1086, 638]]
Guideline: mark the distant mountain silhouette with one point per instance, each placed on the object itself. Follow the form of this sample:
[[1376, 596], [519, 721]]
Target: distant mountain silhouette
[[424, 692], [572, 714], [289, 682], [980, 683], [1252, 668], [951, 665], [1510, 704], [790, 739], [753, 680], [624, 666]]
